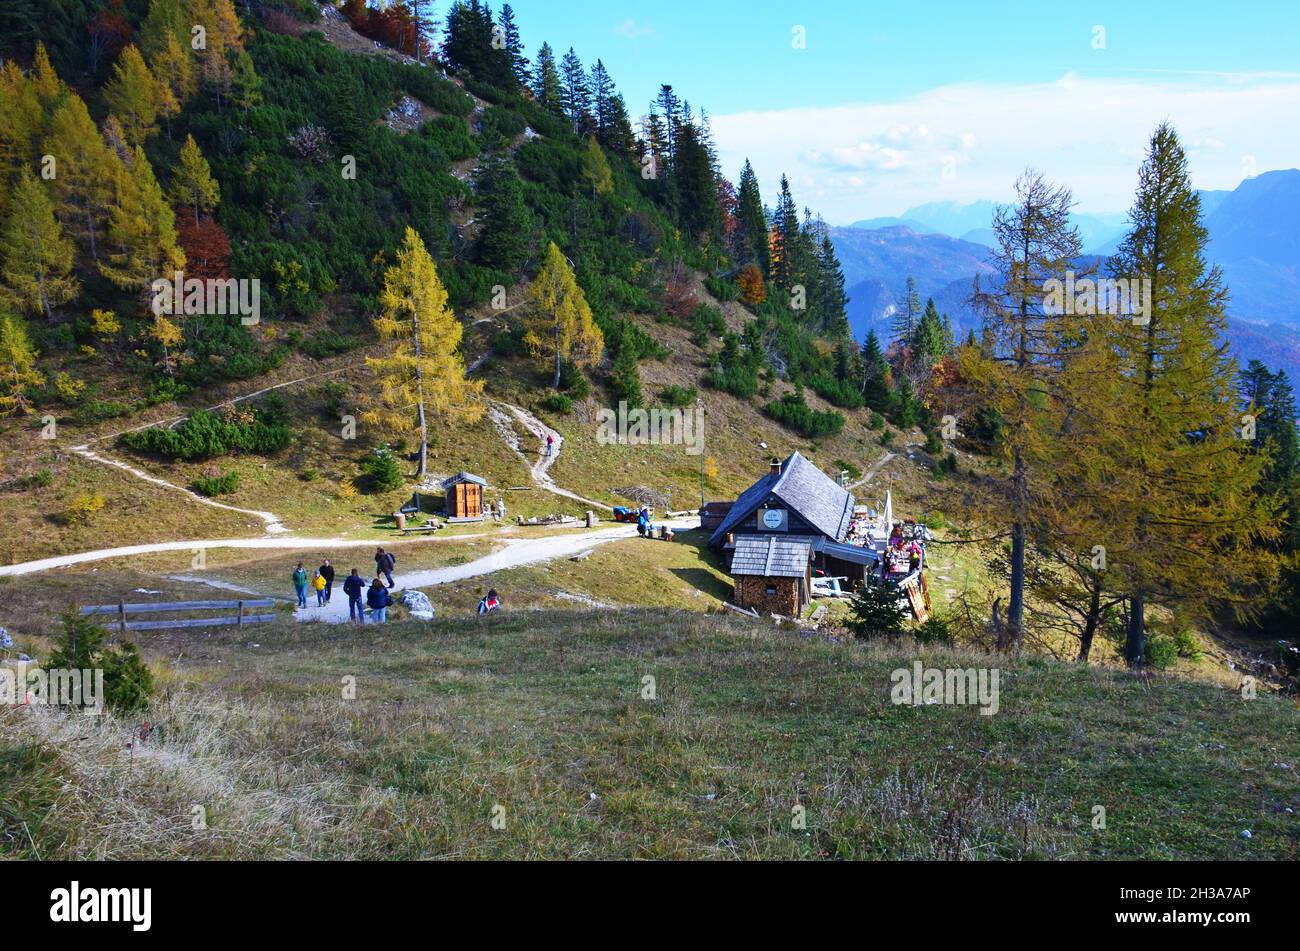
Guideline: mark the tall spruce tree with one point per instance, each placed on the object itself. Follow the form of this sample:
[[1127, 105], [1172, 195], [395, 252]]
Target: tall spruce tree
[[875, 379], [506, 237], [514, 46], [1270, 402], [670, 108], [699, 211], [546, 80], [786, 235], [929, 341], [907, 314], [832, 301], [752, 237], [575, 93]]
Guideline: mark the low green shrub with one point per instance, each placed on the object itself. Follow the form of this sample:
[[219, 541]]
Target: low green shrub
[[212, 486], [793, 412]]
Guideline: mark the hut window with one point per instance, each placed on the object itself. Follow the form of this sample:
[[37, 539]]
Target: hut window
[[771, 589]]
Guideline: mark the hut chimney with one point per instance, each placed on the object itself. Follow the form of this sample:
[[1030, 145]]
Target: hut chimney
[[776, 466]]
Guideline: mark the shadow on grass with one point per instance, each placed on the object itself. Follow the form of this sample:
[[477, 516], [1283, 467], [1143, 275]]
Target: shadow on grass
[[705, 581]]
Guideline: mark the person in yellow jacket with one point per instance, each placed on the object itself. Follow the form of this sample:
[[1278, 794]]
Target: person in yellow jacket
[[318, 585]]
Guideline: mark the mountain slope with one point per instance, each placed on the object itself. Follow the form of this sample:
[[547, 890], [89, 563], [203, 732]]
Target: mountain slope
[[877, 263]]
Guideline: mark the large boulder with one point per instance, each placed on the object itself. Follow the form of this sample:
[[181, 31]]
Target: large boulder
[[418, 604]]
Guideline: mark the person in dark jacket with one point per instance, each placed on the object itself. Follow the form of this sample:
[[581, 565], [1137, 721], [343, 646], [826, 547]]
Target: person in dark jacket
[[379, 600], [384, 565], [327, 572], [355, 589]]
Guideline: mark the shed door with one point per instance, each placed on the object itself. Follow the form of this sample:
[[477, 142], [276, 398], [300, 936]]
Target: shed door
[[473, 501], [460, 500]]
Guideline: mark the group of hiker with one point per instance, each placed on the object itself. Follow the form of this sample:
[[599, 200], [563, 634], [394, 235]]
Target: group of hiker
[[361, 595]]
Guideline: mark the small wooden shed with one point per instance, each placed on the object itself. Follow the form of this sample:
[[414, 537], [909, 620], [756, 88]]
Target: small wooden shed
[[773, 575], [464, 497]]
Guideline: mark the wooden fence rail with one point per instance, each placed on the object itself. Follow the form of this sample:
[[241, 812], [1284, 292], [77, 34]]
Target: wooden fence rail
[[122, 609]]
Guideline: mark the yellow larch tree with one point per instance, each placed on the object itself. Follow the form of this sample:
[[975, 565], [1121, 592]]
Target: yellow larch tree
[[88, 171], [37, 258], [21, 119], [423, 374], [192, 182], [17, 364], [141, 231], [132, 95], [560, 325], [173, 68]]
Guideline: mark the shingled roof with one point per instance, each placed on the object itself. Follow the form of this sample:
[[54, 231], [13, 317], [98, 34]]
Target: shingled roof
[[822, 501], [460, 477], [770, 556]]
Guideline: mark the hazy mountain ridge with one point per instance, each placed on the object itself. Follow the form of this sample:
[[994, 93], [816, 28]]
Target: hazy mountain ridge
[[1254, 237]]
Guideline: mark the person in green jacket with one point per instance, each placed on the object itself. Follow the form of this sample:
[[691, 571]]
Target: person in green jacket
[[300, 584]]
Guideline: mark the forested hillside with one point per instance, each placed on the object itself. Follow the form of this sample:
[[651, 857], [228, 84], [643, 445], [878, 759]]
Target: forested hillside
[[267, 155]]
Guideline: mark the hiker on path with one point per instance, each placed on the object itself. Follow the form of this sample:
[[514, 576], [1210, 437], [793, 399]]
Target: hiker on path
[[327, 572], [550, 441], [355, 589], [490, 602], [318, 585], [384, 565], [300, 584], [379, 599]]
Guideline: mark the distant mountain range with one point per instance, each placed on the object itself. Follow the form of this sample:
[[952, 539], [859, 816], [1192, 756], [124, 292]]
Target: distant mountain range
[[973, 223], [1254, 237]]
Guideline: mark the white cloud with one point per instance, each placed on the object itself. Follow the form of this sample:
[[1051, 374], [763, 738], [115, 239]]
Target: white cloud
[[633, 30], [969, 141]]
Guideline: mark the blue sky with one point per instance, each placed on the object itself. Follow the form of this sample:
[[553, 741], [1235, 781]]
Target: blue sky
[[889, 105]]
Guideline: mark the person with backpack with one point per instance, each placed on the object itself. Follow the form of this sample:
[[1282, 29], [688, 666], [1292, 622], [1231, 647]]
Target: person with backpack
[[490, 602], [550, 443], [327, 572], [355, 588], [385, 562], [318, 585], [300, 584], [379, 599]]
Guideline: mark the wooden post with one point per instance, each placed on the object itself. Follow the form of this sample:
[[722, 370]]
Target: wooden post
[[241, 614], [121, 617]]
